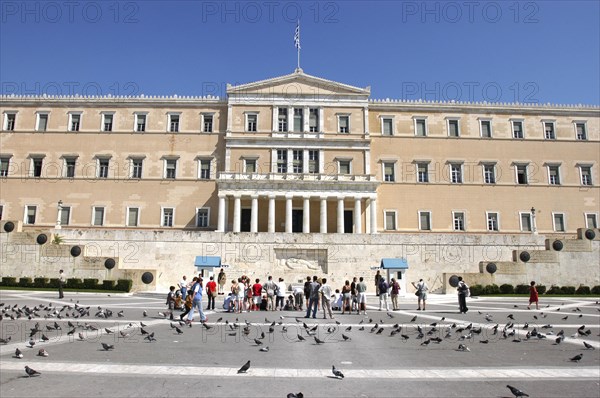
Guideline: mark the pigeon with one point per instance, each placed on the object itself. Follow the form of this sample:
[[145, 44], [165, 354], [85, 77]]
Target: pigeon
[[179, 331], [337, 373], [120, 314], [31, 372], [318, 341], [81, 336], [44, 337], [559, 340], [257, 342], [107, 346], [588, 346], [379, 331], [349, 328], [346, 338], [300, 338], [565, 318], [297, 395], [5, 341], [414, 319], [577, 358], [142, 331], [244, 368], [42, 353], [426, 342], [484, 341], [145, 313], [516, 392], [510, 316], [404, 336], [150, 337], [123, 334], [31, 343], [18, 354], [462, 347], [264, 349], [71, 332]]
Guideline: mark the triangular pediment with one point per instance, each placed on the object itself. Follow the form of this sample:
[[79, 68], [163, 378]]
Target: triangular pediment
[[298, 83]]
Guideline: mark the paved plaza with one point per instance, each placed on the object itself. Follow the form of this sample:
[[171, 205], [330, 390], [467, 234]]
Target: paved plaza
[[383, 355]]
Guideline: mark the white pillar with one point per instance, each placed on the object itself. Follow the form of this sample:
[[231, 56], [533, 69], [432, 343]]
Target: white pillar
[[237, 213], [221, 218], [254, 215], [271, 214], [357, 217], [373, 205], [340, 216], [306, 215], [59, 215], [227, 201], [288, 214], [323, 227]]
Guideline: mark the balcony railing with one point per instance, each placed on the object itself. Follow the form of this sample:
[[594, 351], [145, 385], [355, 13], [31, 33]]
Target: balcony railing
[[231, 176]]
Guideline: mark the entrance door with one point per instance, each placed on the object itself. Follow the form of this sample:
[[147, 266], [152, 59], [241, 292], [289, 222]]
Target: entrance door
[[297, 220], [348, 222], [245, 221]]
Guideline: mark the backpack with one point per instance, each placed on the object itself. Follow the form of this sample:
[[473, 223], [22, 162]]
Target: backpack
[[383, 287]]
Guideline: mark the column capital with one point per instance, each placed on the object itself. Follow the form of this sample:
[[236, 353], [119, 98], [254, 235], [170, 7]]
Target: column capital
[[289, 195], [254, 196]]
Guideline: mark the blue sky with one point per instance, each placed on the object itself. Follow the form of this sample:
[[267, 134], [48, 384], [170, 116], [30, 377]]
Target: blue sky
[[529, 51]]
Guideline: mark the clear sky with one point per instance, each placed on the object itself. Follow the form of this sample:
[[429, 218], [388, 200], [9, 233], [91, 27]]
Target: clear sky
[[526, 51]]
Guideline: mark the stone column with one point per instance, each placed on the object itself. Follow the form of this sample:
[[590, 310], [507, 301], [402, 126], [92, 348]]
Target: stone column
[[221, 217], [254, 215], [323, 226], [237, 213], [373, 206], [271, 214], [340, 216], [288, 213], [357, 216], [306, 215]]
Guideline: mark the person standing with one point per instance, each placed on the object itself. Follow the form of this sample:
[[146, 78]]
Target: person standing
[[395, 291], [377, 281], [280, 292], [270, 288], [183, 287], [353, 294], [463, 292], [222, 279], [346, 293], [326, 293], [533, 296], [361, 296], [61, 283], [256, 295], [307, 290], [196, 291], [211, 293], [298, 297], [240, 293], [313, 302], [383, 293], [421, 293]]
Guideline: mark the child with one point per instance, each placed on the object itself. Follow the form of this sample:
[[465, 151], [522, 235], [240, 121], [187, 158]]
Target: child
[[171, 300], [189, 300], [533, 296], [229, 302]]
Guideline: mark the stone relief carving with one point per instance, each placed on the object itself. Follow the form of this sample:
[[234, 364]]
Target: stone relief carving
[[301, 264]]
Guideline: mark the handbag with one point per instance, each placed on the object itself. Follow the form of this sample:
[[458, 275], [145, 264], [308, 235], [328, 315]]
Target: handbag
[[418, 292]]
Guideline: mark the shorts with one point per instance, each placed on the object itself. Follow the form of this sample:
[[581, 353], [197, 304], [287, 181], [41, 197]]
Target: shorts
[[346, 296], [257, 299], [362, 297], [423, 296]]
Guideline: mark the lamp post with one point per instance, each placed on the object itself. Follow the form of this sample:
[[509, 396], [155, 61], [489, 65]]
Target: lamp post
[[533, 226], [58, 226]]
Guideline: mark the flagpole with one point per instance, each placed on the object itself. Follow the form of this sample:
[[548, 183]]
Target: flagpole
[[297, 41]]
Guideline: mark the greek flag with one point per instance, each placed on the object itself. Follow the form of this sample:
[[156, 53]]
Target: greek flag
[[297, 36]]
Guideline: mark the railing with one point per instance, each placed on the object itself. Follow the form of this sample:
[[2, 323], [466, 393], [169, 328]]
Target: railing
[[231, 176]]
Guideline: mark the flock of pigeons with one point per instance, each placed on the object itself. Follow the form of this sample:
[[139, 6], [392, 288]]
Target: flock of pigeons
[[436, 329]]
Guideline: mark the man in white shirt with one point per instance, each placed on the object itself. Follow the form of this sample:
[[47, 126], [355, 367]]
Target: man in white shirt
[[326, 292], [280, 292], [183, 287]]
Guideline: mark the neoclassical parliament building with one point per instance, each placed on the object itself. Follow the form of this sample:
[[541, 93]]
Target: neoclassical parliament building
[[298, 154]]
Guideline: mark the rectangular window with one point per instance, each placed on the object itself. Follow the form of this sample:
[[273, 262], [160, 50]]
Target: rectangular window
[[140, 123], [492, 222], [136, 168], [251, 122], [586, 175], [107, 123], [168, 214], [282, 160], [69, 170], [486, 128], [456, 173], [10, 120], [388, 172], [204, 169], [98, 216], [425, 221], [517, 128], [489, 173], [559, 222], [580, 131], [174, 123], [75, 121], [282, 119], [422, 172], [103, 164], [30, 214], [549, 131], [313, 161], [1, 211], [313, 120], [298, 120], [390, 220], [458, 221], [250, 165], [591, 220], [521, 170], [202, 217], [4, 165], [553, 175], [344, 166], [344, 124], [65, 215], [421, 127], [42, 122], [526, 222], [297, 161], [387, 126], [207, 123], [453, 128], [36, 166], [133, 216], [171, 168]]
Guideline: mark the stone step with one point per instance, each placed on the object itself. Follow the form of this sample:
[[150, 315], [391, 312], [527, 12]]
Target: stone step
[[537, 256], [581, 233], [570, 245], [504, 267], [27, 238], [98, 263]]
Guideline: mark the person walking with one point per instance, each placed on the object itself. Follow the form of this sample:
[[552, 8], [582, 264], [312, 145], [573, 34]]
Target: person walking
[[463, 292], [326, 294], [383, 294], [394, 292], [346, 302], [221, 279], [211, 293], [61, 283], [377, 281], [313, 302], [361, 296], [421, 293], [196, 291], [533, 296]]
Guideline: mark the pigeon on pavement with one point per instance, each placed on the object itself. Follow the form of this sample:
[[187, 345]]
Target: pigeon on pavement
[[516, 392], [18, 354], [577, 358], [297, 395], [244, 368], [318, 341], [264, 349], [31, 372], [337, 373], [42, 353], [588, 346], [107, 346]]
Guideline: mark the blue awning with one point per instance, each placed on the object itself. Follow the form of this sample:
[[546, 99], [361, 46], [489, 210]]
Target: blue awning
[[207, 261], [394, 263]]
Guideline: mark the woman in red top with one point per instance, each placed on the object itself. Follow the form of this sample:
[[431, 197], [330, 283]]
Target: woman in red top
[[211, 292], [256, 295], [533, 296]]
